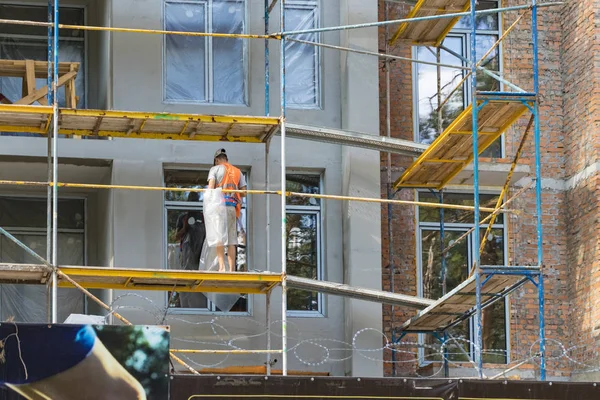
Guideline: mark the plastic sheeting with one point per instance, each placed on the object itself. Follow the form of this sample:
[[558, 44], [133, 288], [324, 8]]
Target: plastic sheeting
[[205, 69], [302, 60], [29, 303], [209, 262], [215, 214]]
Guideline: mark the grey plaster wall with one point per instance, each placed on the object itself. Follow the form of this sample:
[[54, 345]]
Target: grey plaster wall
[[129, 225]]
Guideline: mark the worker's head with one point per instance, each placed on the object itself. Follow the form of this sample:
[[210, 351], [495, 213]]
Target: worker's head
[[193, 196], [220, 157]]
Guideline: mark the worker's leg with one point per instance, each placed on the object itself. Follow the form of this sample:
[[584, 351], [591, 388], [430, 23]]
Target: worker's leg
[[231, 237], [231, 258], [221, 258]]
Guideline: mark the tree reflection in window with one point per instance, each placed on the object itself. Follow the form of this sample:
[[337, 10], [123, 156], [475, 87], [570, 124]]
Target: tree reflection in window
[[303, 239]]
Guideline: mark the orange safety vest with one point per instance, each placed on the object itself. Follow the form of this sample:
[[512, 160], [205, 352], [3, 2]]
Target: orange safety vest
[[230, 180]]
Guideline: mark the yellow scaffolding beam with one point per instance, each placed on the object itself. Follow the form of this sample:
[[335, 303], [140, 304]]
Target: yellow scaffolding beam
[[141, 125], [145, 279], [430, 32], [452, 151]]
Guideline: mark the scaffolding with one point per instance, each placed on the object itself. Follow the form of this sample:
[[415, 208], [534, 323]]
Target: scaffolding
[[461, 144]]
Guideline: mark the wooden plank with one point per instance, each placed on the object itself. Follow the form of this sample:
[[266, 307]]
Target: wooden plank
[[495, 118], [459, 301], [430, 32], [17, 68], [38, 94]]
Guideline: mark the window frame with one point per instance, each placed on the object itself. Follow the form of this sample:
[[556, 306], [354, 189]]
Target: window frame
[[183, 205], [465, 35], [44, 38], [208, 59], [460, 227], [319, 212], [315, 5]]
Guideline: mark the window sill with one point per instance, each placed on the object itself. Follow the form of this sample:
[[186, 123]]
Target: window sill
[[305, 314], [204, 312]]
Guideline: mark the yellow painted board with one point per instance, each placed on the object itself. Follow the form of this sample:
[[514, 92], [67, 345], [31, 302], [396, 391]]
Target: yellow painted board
[[430, 32], [450, 153], [135, 124]]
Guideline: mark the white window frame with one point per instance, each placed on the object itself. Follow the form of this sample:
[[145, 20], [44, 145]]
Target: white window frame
[[314, 5], [208, 59], [83, 39], [465, 35], [461, 227], [319, 212], [184, 205]]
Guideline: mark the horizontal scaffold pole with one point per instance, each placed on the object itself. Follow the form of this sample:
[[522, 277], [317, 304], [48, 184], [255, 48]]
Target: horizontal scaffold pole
[[381, 55], [136, 30], [258, 192], [417, 19]]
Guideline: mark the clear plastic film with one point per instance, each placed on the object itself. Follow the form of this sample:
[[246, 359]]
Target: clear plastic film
[[205, 69], [302, 60], [210, 262], [29, 303], [215, 216]]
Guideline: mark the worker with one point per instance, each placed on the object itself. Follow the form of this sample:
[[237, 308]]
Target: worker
[[227, 177]]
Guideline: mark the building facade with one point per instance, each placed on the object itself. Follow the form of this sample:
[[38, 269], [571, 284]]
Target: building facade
[[569, 148], [136, 72]]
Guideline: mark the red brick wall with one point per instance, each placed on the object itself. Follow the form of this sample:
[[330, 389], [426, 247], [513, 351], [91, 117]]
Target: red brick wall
[[569, 93]]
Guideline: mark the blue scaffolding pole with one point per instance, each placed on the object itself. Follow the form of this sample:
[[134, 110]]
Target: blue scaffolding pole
[[538, 187], [476, 255]]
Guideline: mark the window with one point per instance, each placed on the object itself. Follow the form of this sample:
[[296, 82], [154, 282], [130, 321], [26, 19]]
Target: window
[[184, 253], [458, 262], [25, 218], [20, 42], [303, 78], [304, 240], [425, 90], [205, 69]]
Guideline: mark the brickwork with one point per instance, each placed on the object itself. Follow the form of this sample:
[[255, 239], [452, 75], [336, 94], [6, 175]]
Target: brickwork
[[570, 142]]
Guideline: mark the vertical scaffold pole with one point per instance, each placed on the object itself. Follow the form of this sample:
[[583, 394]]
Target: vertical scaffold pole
[[55, 164], [49, 178], [268, 319], [477, 259], [284, 356], [538, 186]]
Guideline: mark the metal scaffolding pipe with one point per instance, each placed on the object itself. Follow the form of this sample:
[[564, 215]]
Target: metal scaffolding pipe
[[284, 357], [135, 30], [478, 318], [381, 55], [257, 192], [538, 186], [55, 166]]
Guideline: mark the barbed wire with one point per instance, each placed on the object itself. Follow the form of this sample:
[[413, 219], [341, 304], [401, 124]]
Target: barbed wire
[[221, 332]]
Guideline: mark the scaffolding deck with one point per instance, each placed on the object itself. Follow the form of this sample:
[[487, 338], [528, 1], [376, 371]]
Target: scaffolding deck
[[145, 279], [452, 151], [459, 304], [133, 124], [195, 281], [430, 32]]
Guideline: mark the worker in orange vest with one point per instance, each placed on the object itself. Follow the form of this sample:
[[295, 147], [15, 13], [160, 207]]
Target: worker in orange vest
[[225, 176]]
